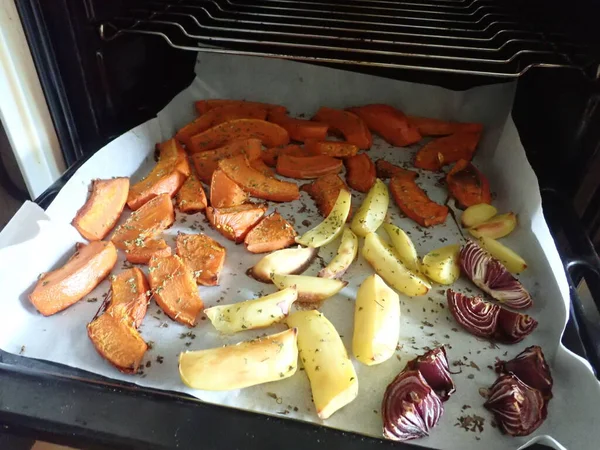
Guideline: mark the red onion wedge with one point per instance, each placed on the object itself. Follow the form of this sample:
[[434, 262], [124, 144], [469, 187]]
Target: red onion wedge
[[410, 407], [513, 327], [519, 409], [474, 314], [434, 368], [491, 276], [531, 368]]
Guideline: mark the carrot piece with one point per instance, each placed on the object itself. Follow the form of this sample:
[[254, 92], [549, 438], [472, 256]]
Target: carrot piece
[[413, 202], [324, 191], [360, 172], [336, 149], [389, 123], [153, 217], [63, 287], [236, 222], [387, 170], [203, 255], [299, 129], [224, 192], [446, 150], [270, 155], [268, 133], [166, 177], [468, 185], [347, 123], [307, 167], [436, 127], [272, 233], [175, 289], [191, 197], [260, 165], [203, 106], [257, 184], [129, 300], [207, 162], [102, 209], [142, 254]]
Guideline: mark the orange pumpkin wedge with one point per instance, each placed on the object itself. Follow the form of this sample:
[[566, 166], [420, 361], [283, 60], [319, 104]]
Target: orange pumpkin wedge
[[352, 127], [143, 253], [270, 155], [203, 255], [236, 222], [468, 185], [299, 129], [436, 127], [272, 233], [413, 202], [325, 191], [389, 123], [259, 165], [336, 149], [224, 192], [446, 150], [102, 210], [360, 172], [307, 167], [129, 300], [203, 106], [191, 197], [387, 170], [207, 162]]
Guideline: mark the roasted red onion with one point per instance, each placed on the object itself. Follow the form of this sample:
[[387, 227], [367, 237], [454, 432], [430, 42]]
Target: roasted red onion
[[491, 276], [410, 407], [513, 327], [474, 314], [519, 409], [434, 367], [531, 368]]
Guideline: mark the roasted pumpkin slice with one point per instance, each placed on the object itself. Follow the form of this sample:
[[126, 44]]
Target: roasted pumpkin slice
[[142, 251], [102, 209], [447, 150], [236, 222], [129, 299], [270, 134], [352, 127], [272, 233], [259, 165], [436, 127], [224, 192], [387, 170], [336, 149], [203, 255], [307, 167], [203, 106], [191, 197], [256, 183], [299, 129], [389, 123], [270, 155], [174, 289], [413, 202], [468, 185], [325, 191], [63, 287], [207, 162], [360, 172], [153, 217]]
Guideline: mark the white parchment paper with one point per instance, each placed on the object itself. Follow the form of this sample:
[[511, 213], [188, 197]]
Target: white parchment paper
[[35, 242]]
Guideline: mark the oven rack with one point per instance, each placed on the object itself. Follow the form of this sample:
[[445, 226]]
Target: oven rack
[[476, 37]]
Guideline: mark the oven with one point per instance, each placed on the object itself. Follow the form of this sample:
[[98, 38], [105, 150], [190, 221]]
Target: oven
[[105, 67]]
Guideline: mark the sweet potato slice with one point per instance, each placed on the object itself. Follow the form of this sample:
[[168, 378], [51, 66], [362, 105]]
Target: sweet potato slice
[[203, 106], [387, 170], [224, 192], [175, 290], [468, 185], [352, 127], [236, 222], [129, 300], [389, 123], [102, 209], [207, 162], [270, 134], [260, 165], [143, 253], [256, 183], [413, 202], [272, 233], [447, 150], [270, 155], [166, 177], [153, 217], [191, 197], [307, 167], [336, 149], [360, 172], [299, 129], [324, 191], [63, 287], [203, 255], [436, 127]]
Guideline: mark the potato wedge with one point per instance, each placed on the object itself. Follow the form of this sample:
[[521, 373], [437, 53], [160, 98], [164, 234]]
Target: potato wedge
[[258, 313], [143, 253], [511, 260], [442, 265], [332, 377], [405, 249], [384, 260], [371, 213], [248, 363], [346, 254], [203, 255], [497, 227], [376, 321], [477, 214], [310, 289], [289, 261], [332, 226]]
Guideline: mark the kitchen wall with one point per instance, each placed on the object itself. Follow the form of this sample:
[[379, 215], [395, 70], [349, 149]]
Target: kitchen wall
[[12, 186]]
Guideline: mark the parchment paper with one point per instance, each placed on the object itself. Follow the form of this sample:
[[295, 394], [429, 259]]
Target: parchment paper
[[36, 242]]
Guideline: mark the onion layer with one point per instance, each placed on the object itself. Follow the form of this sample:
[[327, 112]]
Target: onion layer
[[531, 368], [434, 368], [513, 327]]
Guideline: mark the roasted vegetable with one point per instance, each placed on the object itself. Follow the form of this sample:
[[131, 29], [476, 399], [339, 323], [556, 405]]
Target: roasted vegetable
[[203, 106], [387, 170], [298, 129], [442, 265], [496, 227], [413, 202], [346, 254], [270, 155], [307, 167], [191, 197], [310, 289], [477, 214], [236, 222], [287, 261], [325, 191], [468, 185], [259, 164], [389, 123], [446, 150], [207, 162], [224, 192], [531, 367], [129, 299], [433, 366], [141, 251], [102, 210], [336, 149], [436, 127], [352, 127], [405, 249], [203, 255], [360, 172], [272, 233], [372, 211], [332, 226], [63, 287], [509, 258], [270, 134]]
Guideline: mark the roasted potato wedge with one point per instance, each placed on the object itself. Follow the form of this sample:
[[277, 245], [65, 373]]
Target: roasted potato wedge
[[203, 255], [289, 261], [371, 213], [332, 226], [442, 265], [310, 289], [511, 260], [346, 254], [477, 214], [497, 227], [405, 249]]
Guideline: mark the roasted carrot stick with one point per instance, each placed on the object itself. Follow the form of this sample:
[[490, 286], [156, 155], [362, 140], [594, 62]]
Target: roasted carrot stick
[[203, 106], [436, 127], [102, 209], [324, 191], [447, 150], [387, 170], [143, 253], [205, 256], [307, 167], [224, 192], [270, 155], [413, 202], [191, 197], [360, 172], [468, 185], [272, 233], [389, 123], [236, 222], [336, 149], [63, 287], [299, 129], [207, 162], [348, 124]]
